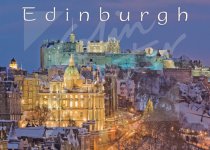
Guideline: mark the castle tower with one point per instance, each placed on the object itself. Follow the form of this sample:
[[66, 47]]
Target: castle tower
[[72, 38]]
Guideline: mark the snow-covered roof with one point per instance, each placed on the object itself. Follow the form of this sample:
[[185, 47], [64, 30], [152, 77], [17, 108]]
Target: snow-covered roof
[[164, 53], [12, 145], [56, 78], [193, 117], [54, 132], [32, 132], [7, 121], [3, 128]]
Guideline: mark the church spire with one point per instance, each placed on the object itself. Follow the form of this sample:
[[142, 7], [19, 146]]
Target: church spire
[[71, 61]]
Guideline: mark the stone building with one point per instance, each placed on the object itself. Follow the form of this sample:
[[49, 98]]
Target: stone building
[[10, 91], [202, 71], [56, 53], [125, 92], [111, 99], [179, 74], [111, 46], [53, 50], [30, 92], [10, 99], [70, 138], [71, 97]]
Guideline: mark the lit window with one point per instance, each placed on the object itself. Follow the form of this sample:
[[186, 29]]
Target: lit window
[[81, 114]]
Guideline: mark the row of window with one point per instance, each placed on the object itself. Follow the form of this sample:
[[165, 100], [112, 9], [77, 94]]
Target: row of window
[[71, 96]]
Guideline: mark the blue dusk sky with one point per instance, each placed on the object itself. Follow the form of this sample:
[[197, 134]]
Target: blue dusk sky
[[22, 40]]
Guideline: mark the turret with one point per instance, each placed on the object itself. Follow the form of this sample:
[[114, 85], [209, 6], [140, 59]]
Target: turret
[[13, 64], [72, 38]]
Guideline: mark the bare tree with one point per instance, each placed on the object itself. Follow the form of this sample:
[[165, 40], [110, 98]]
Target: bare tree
[[162, 128], [72, 123], [41, 114]]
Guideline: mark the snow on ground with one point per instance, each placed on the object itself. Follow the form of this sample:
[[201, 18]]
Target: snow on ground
[[190, 114]]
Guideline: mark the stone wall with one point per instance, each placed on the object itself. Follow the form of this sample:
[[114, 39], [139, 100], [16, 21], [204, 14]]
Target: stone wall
[[180, 75]]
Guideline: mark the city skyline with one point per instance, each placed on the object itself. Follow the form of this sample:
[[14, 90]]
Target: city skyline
[[112, 74], [188, 38]]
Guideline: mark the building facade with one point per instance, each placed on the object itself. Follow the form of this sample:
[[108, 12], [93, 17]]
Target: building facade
[[56, 53], [126, 92], [111, 99], [69, 98], [10, 94], [111, 46], [10, 98]]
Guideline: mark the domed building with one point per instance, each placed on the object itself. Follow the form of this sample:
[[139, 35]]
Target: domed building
[[71, 98], [13, 64], [72, 77]]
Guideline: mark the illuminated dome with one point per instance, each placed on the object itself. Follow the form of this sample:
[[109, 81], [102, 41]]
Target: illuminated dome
[[13, 61], [71, 71], [13, 64], [71, 75]]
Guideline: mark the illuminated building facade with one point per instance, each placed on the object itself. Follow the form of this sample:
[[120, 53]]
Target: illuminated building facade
[[30, 92], [111, 46], [72, 97], [202, 71], [56, 53]]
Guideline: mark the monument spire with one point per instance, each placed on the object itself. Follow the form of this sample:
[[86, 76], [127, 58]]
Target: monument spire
[[72, 35], [71, 61], [72, 25]]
